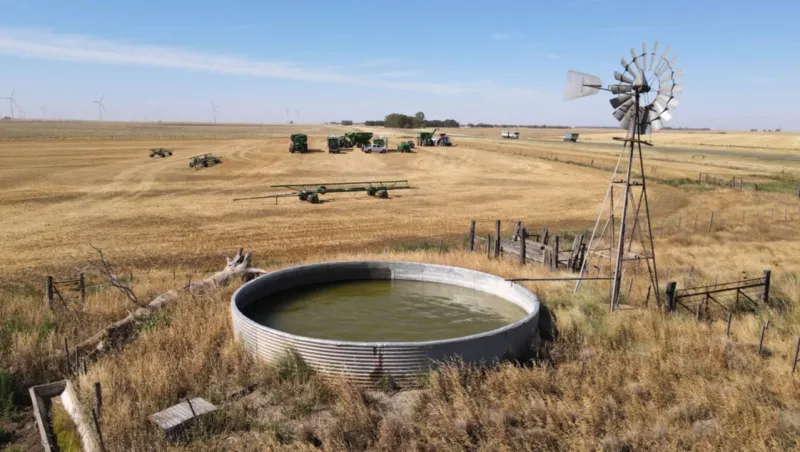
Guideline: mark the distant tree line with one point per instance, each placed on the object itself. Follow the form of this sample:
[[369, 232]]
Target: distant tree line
[[401, 121]]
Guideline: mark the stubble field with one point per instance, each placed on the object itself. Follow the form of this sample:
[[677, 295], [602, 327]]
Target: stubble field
[[634, 379]]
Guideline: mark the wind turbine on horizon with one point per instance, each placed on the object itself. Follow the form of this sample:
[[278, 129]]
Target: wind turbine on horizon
[[100, 107], [44, 111], [214, 111], [12, 102]]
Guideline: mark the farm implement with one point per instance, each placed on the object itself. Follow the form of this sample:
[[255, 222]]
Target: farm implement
[[160, 152], [405, 146], [312, 192], [427, 139], [202, 161]]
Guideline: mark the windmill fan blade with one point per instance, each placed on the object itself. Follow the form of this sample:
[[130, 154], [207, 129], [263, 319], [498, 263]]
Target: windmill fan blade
[[644, 56], [673, 103], [620, 100], [678, 73], [635, 60], [656, 124], [660, 103], [672, 62], [579, 85], [623, 110], [639, 80], [666, 116], [622, 77], [625, 122], [653, 56], [628, 67], [620, 89], [673, 88]]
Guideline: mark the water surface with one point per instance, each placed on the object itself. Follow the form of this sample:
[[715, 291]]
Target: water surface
[[384, 311]]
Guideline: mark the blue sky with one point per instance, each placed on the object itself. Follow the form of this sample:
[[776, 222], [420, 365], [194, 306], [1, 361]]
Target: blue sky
[[499, 62]]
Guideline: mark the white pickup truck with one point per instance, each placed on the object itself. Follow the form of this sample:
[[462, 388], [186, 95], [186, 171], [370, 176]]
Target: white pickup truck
[[379, 145]]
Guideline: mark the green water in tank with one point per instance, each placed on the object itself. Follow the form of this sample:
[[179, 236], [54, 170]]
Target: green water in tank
[[384, 311]]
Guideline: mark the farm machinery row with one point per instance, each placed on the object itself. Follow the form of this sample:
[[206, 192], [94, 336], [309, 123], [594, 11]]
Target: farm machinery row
[[365, 141], [312, 192]]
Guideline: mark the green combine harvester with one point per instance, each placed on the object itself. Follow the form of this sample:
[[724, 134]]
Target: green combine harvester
[[405, 146], [298, 143], [312, 192], [160, 152], [202, 161]]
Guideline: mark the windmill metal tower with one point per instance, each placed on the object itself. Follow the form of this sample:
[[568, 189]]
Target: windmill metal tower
[[626, 234], [100, 107], [12, 102]]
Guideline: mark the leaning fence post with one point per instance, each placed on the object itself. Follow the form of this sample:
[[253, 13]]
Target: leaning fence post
[[671, 286], [497, 239], [761, 340], [765, 293], [471, 239], [796, 355], [728, 328], [711, 221], [98, 398], [82, 287], [522, 247], [48, 289], [489, 246]]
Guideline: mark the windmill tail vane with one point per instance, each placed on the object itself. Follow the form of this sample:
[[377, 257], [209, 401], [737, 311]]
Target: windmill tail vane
[[645, 98]]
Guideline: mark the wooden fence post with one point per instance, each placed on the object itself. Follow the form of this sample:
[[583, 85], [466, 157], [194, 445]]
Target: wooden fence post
[[98, 398], [761, 340], [554, 265], [82, 287], [48, 289], [497, 239], [796, 355], [517, 229], [671, 289], [522, 247], [471, 239], [765, 293], [711, 221], [489, 246], [728, 328]]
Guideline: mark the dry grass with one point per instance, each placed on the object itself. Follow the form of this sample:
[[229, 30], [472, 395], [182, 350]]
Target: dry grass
[[633, 380]]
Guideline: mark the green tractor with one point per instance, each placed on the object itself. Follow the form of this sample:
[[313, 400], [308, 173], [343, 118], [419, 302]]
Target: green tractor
[[202, 161], [299, 143], [160, 152], [405, 146]]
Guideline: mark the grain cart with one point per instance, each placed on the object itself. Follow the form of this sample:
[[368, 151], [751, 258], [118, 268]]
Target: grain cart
[[573, 137], [379, 145], [298, 143], [160, 152], [426, 138], [358, 139], [202, 161]]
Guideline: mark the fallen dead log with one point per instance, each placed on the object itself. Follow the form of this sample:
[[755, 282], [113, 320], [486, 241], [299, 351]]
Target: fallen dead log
[[121, 330]]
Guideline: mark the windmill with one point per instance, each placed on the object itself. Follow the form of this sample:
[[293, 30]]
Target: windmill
[[12, 102], [100, 107], [621, 238], [214, 111]]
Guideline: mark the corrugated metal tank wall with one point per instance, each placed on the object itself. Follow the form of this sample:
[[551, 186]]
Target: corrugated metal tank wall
[[370, 362]]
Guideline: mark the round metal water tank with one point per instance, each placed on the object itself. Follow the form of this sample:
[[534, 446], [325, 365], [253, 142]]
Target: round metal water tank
[[370, 362]]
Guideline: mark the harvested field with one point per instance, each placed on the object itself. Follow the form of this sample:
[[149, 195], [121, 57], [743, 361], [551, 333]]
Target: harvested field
[[635, 379]]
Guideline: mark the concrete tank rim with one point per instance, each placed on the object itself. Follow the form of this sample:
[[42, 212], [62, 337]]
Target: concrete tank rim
[[235, 312]]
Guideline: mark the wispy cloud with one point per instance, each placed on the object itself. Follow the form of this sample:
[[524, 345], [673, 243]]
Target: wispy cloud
[[500, 36], [81, 49], [552, 56], [399, 74]]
